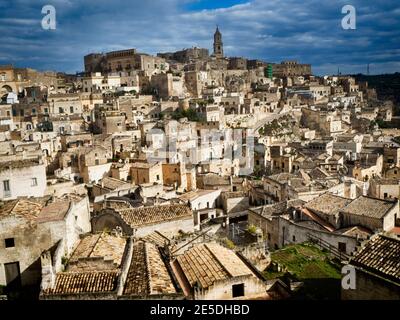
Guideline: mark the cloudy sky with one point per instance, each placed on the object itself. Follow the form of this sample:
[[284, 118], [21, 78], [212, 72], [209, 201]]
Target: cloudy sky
[[273, 30]]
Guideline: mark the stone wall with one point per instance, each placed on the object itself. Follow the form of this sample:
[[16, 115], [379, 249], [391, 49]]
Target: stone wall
[[370, 287], [291, 232], [222, 290], [22, 183]]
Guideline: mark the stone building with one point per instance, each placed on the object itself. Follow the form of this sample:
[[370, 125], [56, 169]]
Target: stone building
[[377, 270], [97, 83], [218, 45], [371, 213], [144, 172], [66, 103], [235, 203], [186, 55], [237, 63], [179, 175], [169, 218], [21, 178], [93, 163], [291, 68], [134, 269], [31, 226], [109, 121], [163, 85], [17, 79], [290, 222], [208, 271], [388, 189], [92, 272], [123, 61], [327, 206], [149, 275]]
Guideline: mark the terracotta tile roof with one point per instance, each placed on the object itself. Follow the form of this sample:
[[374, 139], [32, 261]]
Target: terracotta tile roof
[[270, 210], [147, 273], [39, 209], [137, 217], [356, 231], [18, 164], [369, 207], [318, 173], [206, 263], [192, 195], [327, 203], [112, 183], [109, 247], [156, 238], [381, 256], [54, 211], [84, 282], [318, 220], [21, 207]]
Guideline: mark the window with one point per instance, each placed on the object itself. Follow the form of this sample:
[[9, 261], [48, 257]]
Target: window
[[158, 177], [342, 246], [385, 195], [33, 182], [294, 238], [71, 109], [238, 290], [9, 243], [6, 185], [96, 162], [60, 110]]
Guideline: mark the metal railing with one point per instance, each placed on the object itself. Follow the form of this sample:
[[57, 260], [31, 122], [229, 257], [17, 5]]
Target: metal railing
[[327, 246]]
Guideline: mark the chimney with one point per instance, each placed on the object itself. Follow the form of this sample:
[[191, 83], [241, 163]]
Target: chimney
[[48, 274]]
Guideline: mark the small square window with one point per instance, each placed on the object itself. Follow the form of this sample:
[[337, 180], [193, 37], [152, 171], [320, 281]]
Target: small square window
[[33, 182], [238, 290], [9, 242]]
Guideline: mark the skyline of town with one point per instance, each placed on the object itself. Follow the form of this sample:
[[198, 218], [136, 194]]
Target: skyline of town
[[273, 31], [196, 174]]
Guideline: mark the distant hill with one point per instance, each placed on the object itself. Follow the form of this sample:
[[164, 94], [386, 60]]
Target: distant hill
[[387, 85]]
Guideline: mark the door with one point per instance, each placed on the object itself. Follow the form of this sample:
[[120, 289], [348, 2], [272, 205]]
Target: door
[[13, 275]]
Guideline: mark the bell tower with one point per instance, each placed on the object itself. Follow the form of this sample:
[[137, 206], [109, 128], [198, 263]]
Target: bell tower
[[218, 45]]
